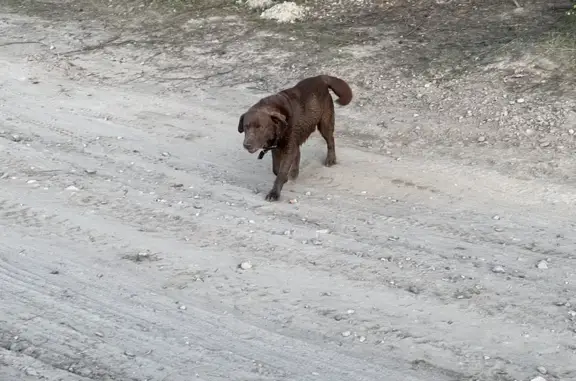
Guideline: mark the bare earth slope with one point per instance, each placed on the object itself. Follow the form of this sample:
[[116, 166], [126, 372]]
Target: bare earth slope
[[126, 209]]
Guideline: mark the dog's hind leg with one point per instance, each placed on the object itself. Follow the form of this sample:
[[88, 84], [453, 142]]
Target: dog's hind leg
[[326, 128]]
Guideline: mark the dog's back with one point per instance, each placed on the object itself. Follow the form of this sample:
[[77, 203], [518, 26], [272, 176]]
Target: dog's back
[[311, 102]]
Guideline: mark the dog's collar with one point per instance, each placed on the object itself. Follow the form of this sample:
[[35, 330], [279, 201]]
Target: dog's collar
[[265, 151]]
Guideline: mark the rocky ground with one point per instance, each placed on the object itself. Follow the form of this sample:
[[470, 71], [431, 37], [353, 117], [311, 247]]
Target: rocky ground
[[136, 244]]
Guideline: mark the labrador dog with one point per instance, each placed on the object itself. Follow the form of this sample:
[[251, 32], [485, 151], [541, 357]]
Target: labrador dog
[[282, 122]]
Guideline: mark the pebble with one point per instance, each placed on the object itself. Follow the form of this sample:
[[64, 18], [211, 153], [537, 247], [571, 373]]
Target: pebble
[[31, 372], [520, 100], [542, 370], [539, 378], [31, 181], [346, 333], [481, 139], [308, 193], [293, 201], [182, 308], [362, 339], [414, 290], [72, 188], [496, 217], [16, 138], [90, 171], [350, 312], [246, 265], [542, 265], [498, 269], [143, 254]]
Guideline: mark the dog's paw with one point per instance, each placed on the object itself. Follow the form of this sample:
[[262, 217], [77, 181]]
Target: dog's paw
[[330, 161], [273, 195]]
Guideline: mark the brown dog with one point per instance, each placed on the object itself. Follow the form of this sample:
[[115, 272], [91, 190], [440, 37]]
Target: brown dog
[[283, 122]]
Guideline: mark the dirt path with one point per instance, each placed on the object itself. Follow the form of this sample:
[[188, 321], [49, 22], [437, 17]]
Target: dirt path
[[126, 210]]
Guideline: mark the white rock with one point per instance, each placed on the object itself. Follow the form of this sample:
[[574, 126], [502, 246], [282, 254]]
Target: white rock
[[542, 265], [72, 188], [539, 378], [246, 265], [498, 269], [286, 12], [346, 333]]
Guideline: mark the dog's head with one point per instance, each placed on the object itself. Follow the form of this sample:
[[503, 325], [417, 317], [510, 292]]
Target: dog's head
[[261, 128]]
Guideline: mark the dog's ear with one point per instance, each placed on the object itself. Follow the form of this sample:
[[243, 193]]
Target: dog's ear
[[241, 124], [278, 119]]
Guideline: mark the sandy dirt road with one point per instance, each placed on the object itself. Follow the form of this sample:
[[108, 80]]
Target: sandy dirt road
[[125, 211]]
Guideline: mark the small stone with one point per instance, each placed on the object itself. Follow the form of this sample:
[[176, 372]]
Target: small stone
[[350, 312], [413, 289], [183, 308], [246, 265], [308, 193], [481, 139], [542, 370], [539, 378], [129, 354], [31, 181], [346, 333], [31, 372], [16, 138], [165, 154], [498, 269], [362, 339], [99, 334], [322, 231], [542, 265], [293, 201], [496, 217], [90, 171], [520, 100], [72, 188]]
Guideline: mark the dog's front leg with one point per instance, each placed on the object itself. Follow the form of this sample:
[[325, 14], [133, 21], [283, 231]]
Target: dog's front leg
[[282, 176]]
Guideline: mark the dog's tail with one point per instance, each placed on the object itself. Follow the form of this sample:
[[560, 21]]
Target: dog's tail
[[340, 88]]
